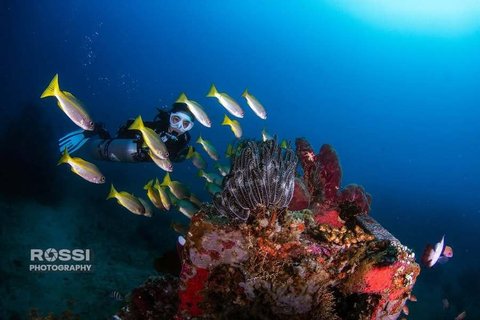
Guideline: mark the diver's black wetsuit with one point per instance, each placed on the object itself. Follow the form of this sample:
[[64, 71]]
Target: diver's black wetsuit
[[128, 145]]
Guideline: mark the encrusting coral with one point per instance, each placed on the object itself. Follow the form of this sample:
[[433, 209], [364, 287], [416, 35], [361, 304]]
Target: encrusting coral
[[276, 244]]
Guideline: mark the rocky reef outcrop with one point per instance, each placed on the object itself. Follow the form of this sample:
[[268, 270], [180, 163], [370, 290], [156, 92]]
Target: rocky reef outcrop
[[282, 242]]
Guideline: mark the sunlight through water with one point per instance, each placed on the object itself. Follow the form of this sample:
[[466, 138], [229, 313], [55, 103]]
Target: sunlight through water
[[437, 17]]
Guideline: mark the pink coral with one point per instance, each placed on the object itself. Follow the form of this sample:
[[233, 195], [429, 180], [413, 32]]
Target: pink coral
[[329, 172]]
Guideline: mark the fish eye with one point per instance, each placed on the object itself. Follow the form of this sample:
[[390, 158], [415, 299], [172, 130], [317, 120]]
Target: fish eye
[[102, 179]]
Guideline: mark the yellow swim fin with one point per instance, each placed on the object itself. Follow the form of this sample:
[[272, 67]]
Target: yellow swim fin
[[52, 88]]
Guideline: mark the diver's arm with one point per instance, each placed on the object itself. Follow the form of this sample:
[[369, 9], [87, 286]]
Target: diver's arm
[[180, 155]]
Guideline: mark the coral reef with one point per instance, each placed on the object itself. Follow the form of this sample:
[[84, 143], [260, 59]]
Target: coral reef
[[262, 176], [276, 246]]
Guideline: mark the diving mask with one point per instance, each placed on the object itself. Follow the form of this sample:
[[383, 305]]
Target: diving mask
[[181, 122]]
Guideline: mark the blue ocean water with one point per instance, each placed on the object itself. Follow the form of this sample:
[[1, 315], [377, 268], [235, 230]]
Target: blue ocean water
[[399, 105]]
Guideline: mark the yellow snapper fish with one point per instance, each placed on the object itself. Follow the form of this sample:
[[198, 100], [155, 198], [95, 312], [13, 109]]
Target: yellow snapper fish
[[255, 105], [84, 169], [175, 187], [234, 125], [197, 159], [193, 198], [223, 169], [209, 148], [148, 208], [284, 144], [165, 199], [265, 135], [186, 207], [126, 200], [153, 194], [164, 164], [196, 109], [213, 188], [211, 177], [69, 105], [226, 101], [179, 228], [230, 151], [151, 138]]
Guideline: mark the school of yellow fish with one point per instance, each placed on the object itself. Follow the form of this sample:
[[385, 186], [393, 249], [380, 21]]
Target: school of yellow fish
[[162, 195]]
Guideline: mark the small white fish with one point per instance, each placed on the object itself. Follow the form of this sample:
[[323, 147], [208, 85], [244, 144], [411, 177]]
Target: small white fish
[[196, 109], [117, 296], [226, 101], [265, 135], [255, 105], [461, 316], [84, 169], [432, 254], [69, 105]]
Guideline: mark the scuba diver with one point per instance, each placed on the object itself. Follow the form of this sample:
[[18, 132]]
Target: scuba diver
[[128, 145]]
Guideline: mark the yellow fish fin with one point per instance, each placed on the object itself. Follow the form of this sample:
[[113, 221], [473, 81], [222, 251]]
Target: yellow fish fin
[[137, 124], [148, 185], [183, 98], [113, 193], [200, 140], [213, 91], [166, 180], [245, 93], [190, 152], [226, 121], [64, 158], [52, 88]]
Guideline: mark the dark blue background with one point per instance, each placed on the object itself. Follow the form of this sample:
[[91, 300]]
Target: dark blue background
[[400, 108]]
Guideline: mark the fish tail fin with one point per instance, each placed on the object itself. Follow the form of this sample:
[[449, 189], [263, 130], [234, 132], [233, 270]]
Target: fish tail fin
[[245, 93], [201, 173], [156, 185], [137, 124], [182, 98], [166, 180], [190, 152], [148, 185], [213, 91], [199, 140], [113, 193], [52, 88], [64, 158], [226, 121]]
